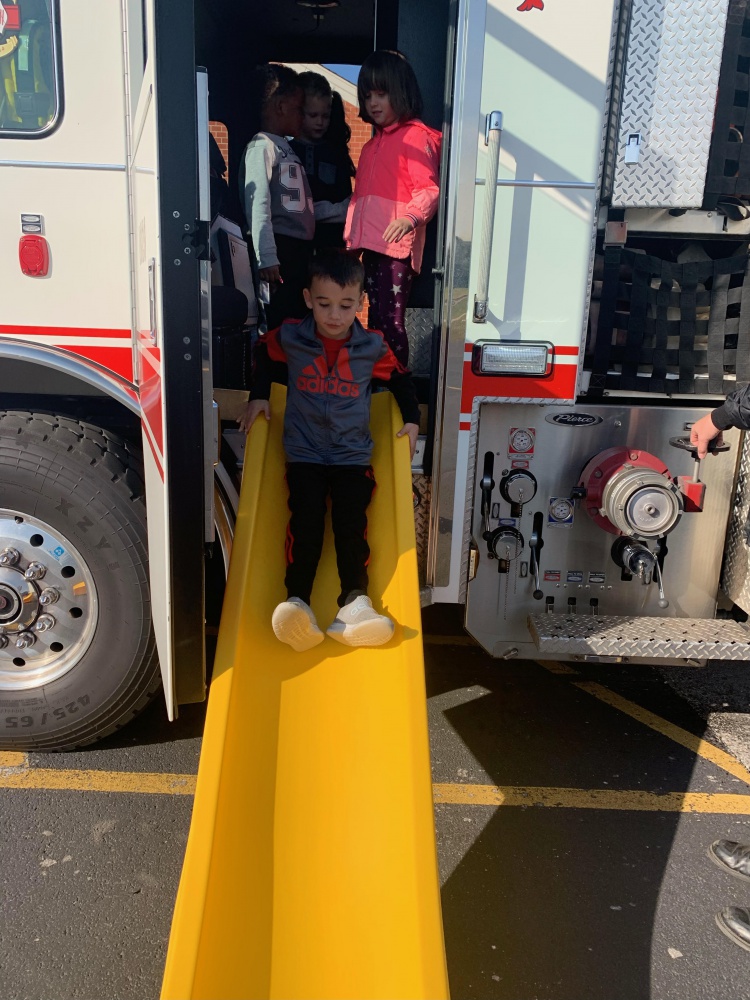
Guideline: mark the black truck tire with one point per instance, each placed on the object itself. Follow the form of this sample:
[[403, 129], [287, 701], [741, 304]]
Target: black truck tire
[[71, 502]]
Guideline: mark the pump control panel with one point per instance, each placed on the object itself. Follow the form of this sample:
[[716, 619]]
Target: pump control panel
[[608, 516]]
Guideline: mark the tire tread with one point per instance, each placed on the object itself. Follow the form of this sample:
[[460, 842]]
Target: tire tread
[[121, 463]]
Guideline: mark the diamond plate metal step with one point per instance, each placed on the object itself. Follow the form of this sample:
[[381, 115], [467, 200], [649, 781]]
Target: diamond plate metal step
[[619, 635]]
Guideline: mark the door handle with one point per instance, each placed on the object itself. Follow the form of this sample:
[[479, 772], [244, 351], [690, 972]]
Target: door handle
[[493, 132]]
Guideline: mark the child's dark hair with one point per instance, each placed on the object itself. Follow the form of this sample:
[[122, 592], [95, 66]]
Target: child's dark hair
[[390, 72], [274, 80], [341, 266], [314, 84]]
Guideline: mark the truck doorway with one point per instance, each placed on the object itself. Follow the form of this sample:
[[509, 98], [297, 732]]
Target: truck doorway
[[233, 38]]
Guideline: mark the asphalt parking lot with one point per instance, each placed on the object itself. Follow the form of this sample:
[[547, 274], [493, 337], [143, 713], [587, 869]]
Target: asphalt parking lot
[[573, 810]]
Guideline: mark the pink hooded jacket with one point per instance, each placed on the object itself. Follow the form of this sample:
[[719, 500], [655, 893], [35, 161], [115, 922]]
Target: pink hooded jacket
[[397, 176]]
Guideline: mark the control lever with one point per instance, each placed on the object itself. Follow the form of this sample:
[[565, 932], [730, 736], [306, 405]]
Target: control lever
[[662, 602], [684, 444], [536, 543], [487, 485], [504, 543], [693, 489]]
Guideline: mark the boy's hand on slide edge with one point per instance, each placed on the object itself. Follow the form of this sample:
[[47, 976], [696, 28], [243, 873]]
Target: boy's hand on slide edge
[[252, 411], [397, 230], [411, 431]]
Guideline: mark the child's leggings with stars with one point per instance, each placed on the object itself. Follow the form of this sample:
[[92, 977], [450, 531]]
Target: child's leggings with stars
[[388, 282]]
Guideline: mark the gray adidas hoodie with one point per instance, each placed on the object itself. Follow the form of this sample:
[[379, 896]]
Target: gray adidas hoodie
[[275, 194], [327, 417]]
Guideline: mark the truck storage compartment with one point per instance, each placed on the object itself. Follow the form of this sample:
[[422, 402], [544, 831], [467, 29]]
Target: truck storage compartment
[[674, 323]]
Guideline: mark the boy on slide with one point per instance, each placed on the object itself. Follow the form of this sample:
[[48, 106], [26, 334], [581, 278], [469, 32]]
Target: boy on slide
[[328, 362]]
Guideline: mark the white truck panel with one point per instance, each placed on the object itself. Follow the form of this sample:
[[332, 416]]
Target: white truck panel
[[86, 226]]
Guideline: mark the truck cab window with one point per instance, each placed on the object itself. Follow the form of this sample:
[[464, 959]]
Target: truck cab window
[[137, 48], [29, 68]]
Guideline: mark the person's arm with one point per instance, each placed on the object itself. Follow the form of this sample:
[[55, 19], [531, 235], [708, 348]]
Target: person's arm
[[398, 380], [401, 384], [331, 211], [269, 365], [259, 158], [423, 164], [422, 159], [733, 412]]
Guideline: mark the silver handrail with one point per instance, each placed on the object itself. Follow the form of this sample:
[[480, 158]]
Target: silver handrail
[[492, 135]]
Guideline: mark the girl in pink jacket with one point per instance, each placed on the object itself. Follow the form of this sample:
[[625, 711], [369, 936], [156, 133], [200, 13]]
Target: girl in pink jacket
[[395, 192]]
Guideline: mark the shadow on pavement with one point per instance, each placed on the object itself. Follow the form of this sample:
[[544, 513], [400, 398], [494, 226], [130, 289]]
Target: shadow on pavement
[[554, 903]]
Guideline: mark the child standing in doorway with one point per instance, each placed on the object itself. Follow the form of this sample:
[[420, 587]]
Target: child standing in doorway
[[328, 362], [276, 195], [322, 147], [395, 193]]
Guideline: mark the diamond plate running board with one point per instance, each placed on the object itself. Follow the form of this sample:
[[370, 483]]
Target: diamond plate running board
[[619, 635]]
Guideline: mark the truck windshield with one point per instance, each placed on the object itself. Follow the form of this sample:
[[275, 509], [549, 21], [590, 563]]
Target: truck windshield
[[29, 91]]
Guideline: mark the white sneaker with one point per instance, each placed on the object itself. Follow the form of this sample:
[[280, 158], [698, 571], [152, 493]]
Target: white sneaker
[[359, 624], [294, 623]]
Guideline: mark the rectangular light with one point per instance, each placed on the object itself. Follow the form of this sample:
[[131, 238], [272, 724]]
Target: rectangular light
[[511, 358]]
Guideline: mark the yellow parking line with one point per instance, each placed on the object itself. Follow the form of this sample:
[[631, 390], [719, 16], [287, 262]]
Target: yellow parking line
[[148, 783], [592, 798], [13, 759], [695, 744], [143, 783], [555, 667]]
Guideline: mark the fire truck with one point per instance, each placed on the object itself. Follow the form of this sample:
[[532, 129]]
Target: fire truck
[[584, 301]]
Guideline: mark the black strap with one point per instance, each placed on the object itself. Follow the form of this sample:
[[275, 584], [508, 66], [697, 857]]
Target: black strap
[[742, 368], [716, 325], [643, 267], [640, 348], [606, 326]]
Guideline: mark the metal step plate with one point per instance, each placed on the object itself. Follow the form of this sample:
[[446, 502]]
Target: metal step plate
[[619, 635]]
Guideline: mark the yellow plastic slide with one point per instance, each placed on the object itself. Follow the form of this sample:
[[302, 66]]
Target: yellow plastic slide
[[311, 867]]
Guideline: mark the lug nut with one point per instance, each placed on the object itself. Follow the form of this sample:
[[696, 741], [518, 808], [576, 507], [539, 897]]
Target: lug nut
[[3, 638], [49, 596], [44, 623], [25, 640], [9, 557], [35, 571]]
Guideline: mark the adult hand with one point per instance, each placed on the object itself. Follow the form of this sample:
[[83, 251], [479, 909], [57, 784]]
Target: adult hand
[[397, 230], [271, 274], [702, 433], [252, 411], [411, 431]]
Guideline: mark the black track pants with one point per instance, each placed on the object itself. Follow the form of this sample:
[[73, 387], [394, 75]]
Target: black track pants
[[287, 301], [351, 488]]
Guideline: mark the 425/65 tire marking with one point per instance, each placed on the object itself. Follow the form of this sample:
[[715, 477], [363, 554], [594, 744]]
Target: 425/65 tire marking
[[24, 721]]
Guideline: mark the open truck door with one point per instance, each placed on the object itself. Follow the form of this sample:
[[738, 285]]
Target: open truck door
[[526, 137], [171, 326]]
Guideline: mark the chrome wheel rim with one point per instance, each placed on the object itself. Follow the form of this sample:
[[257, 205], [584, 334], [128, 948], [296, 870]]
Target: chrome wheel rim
[[48, 603]]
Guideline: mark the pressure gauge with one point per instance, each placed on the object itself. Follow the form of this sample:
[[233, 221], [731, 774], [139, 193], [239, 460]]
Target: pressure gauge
[[521, 440], [561, 509]]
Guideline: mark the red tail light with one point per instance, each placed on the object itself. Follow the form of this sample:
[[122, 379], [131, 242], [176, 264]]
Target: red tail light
[[33, 255]]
